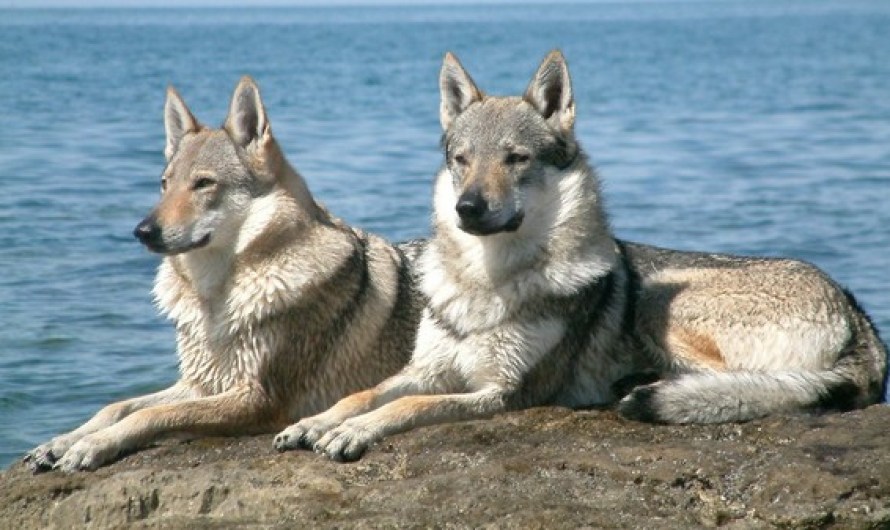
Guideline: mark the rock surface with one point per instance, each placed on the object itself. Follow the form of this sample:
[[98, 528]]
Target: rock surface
[[539, 468]]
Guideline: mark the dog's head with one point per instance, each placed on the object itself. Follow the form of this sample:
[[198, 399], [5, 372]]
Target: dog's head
[[498, 148], [212, 175]]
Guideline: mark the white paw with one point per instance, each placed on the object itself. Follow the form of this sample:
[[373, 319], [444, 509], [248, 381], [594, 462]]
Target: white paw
[[88, 454], [44, 456], [347, 442], [304, 434]]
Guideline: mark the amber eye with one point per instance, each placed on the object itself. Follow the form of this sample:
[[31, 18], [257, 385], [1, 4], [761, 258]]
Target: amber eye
[[203, 183], [516, 158]]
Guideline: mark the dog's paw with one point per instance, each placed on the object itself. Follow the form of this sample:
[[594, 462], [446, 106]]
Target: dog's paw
[[303, 434], [45, 456], [348, 442], [41, 458], [641, 404], [88, 454]]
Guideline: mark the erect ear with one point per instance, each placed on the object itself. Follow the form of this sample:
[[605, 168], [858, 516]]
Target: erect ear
[[178, 121], [550, 91], [247, 120], [457, 88]]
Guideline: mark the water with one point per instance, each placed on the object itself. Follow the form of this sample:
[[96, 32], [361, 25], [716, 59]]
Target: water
[[737, 126]]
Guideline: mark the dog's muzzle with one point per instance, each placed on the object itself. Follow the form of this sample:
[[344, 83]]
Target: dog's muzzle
[[471, 207], [148, 232], [476, 218]]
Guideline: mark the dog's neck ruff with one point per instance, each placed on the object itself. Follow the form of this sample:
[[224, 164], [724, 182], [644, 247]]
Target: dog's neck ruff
[[219, 330], [563, 246], [261, 275]]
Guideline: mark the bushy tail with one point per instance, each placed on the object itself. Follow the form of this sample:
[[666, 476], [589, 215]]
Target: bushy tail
[[735, 396], [871, 350], [856, 380]]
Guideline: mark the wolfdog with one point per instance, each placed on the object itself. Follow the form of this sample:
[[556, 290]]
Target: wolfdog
[[280, 308], [533, 301]]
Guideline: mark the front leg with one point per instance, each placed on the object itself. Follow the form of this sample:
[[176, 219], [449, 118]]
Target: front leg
[[350, 439], [242, 411], [308, 431], [45, 456]]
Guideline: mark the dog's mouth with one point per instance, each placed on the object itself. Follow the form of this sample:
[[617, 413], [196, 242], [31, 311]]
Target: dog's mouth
[[158, 246], [486, 227]]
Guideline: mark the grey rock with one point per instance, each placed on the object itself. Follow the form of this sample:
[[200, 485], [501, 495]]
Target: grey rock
[[539, 468]]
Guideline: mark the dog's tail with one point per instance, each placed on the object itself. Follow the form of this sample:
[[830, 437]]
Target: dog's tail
[[856, 380]]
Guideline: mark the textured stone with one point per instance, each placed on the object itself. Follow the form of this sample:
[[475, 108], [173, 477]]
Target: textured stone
[[539, 468]]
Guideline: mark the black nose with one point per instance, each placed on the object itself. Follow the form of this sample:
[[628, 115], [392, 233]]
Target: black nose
[[471, 205], [148, 231]]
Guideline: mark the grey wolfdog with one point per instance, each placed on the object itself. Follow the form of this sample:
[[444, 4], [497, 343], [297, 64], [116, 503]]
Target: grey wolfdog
[[533, 301], [280, 308]]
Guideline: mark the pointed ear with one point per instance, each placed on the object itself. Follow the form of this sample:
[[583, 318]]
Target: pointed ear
[[550, 91], [178, 121], [457, 88], [247, 120]]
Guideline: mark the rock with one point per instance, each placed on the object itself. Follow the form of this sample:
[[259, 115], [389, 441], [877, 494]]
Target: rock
[[539, 468]]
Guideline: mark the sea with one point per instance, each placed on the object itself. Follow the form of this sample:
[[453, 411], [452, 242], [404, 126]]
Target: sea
[[741, 126]]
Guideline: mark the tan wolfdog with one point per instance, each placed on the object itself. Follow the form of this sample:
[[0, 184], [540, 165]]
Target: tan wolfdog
[[533, 301], [280, 308]]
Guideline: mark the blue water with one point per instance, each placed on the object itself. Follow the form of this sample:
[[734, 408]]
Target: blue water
[[737, 126]]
